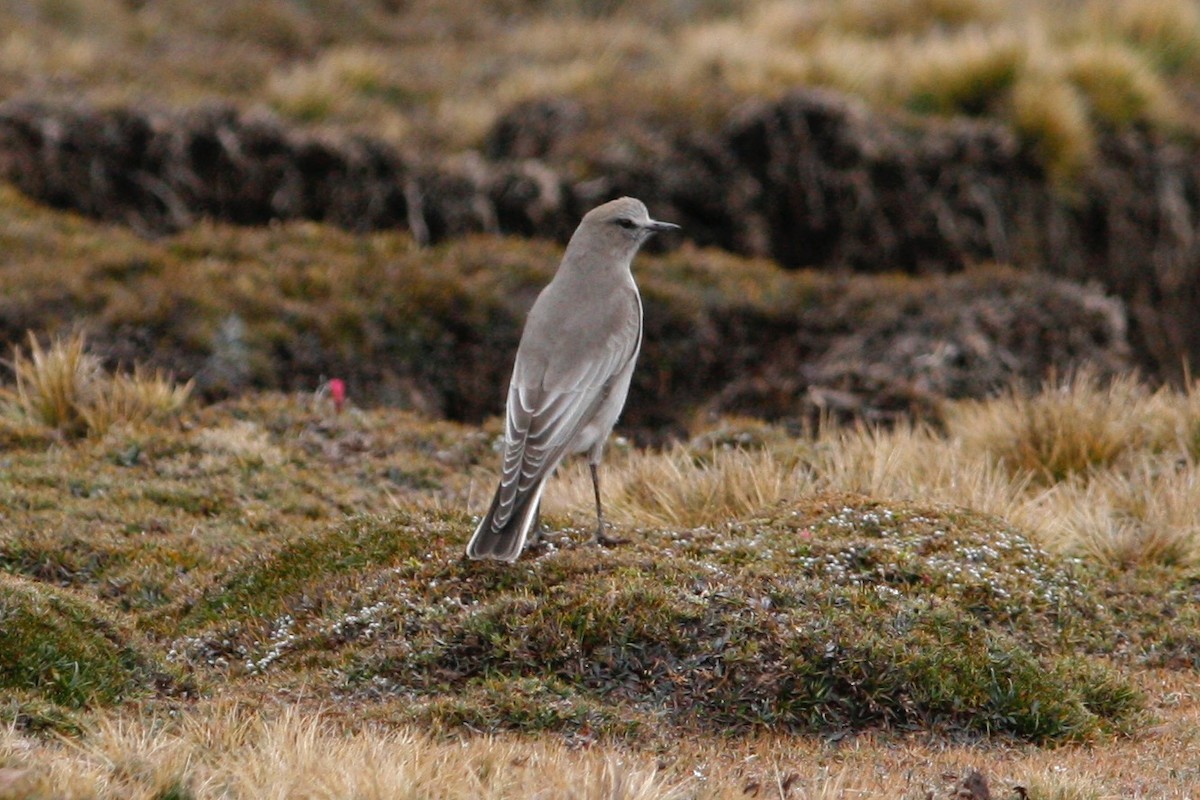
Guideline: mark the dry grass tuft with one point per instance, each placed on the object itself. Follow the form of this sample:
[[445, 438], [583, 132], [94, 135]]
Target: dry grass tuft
[[1052, 115], [1067, 429], [1104, 471], [687, 486], [1145, 517], [65, 388], [681, 488], [141, 397], [143, 757], [969, 74], [1121, 88], [230, 751], [1167, 31], [337, 83], [1180, 421], [53, 384], [906, 17]]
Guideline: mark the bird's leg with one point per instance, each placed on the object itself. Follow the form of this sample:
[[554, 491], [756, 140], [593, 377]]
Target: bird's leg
[[535, 530], [600, 536]]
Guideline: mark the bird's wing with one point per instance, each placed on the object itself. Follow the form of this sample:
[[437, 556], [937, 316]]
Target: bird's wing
[[547, 407]]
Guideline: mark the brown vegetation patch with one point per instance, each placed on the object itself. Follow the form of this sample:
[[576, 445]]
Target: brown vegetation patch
[[811, 179], [290, 306]]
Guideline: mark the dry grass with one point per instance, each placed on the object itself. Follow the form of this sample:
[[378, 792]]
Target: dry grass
[[1121, 86], [65, 388], [1168, 31], [1056, 73], [1130, 519], [680, 488], [1053, 116], [967, 74], [132, 399], [1066, 429], [231, 750], [1103, 470], [53, 384], [908, 17]]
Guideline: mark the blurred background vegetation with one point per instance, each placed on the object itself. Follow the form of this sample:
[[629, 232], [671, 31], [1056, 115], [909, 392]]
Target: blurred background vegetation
[[435, 75], [918, 136]]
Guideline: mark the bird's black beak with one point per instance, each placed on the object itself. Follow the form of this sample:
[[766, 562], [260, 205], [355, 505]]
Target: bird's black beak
[[659, 227]]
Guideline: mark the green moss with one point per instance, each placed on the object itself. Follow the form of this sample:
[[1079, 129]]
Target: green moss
[[817, 658], [531, 705], [263, 587], [66, 649], [839, 614]]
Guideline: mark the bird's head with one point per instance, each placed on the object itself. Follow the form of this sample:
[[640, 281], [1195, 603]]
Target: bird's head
[[617, 228]]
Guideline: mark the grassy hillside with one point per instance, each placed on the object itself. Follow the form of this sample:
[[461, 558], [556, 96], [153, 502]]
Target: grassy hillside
[[989, 582]]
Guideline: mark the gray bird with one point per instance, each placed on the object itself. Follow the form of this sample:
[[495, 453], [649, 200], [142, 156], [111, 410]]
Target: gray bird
[[572, 372]]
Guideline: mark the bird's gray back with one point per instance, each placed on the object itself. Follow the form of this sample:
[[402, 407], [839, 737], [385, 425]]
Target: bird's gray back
[[570, 345]]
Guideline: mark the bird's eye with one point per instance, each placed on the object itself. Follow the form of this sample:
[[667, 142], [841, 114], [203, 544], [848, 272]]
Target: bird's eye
[[627, 223]]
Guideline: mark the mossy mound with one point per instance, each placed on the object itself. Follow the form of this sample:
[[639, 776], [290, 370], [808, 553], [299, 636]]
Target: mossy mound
[[265, 586], [838, 614], [59, 648]]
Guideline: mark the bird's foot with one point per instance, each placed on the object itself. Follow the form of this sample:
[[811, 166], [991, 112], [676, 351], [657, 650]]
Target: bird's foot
[[538, 541], [602, 539]]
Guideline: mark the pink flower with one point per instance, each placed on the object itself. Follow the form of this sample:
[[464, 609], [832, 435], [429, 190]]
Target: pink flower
[[337, 390]]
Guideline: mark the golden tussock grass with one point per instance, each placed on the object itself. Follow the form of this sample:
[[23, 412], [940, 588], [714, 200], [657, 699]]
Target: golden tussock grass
[[965, 74], [906, 17], [1168, 31], [1065, 429], [65, 388], [228, 750], [1150, 514], [684, 489], [1053, 116], [1121, 86], [1104, 470], [53, 383], [1057, 74]]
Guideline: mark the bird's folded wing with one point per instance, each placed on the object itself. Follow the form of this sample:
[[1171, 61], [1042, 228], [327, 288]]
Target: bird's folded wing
[[544, 416]]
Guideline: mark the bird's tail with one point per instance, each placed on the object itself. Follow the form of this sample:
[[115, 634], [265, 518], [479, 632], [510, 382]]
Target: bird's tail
[[505, 542]]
